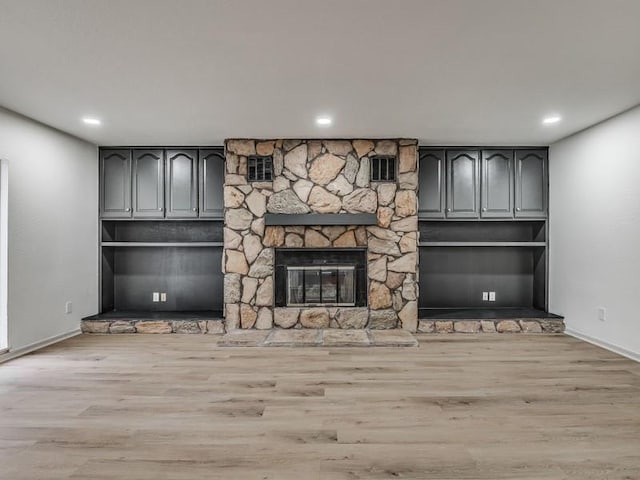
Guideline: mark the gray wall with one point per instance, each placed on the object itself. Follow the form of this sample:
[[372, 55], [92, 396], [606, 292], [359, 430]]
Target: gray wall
[[595, 232], [52, 234]]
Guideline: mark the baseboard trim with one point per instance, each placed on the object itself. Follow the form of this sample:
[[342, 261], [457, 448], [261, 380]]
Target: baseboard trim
[[606, 345], [18, 352]]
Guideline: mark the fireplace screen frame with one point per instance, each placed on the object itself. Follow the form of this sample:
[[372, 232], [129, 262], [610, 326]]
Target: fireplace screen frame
[[316, 259], [321, 285]]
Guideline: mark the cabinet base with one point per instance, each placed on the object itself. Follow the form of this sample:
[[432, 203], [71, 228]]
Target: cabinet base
[[210, 322], [499, 320]]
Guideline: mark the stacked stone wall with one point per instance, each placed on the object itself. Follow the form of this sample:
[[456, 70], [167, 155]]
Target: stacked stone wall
[[321, 176]]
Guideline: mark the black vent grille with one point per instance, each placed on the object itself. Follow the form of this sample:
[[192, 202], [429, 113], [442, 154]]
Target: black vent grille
[[259, 169], [383, 168]]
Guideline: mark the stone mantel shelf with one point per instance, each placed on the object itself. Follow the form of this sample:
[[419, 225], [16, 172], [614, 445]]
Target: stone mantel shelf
[[314, 219]]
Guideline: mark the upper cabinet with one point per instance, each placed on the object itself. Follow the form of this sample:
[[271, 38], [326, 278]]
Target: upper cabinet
[[174, 183], [181, 183], [148, 183], [431, 192], [497, 184], [491, 184], [211, 183], [115, 183], [531, 184], [463, 188]]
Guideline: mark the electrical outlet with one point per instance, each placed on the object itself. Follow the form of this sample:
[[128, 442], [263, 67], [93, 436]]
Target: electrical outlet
[[602, 314], [485, 296], [163, 297], [492, 296], [68, 307], [156, 296]]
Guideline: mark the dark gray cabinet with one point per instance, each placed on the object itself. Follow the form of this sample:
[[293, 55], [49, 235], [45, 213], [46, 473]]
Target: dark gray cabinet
[[181, 183], [531, 184], [174, 183], [153, 238], [431, 183], [497, 184], [492, 236], [115, 183], [500, 183], [211, 183], [463, 193], [148, 183]]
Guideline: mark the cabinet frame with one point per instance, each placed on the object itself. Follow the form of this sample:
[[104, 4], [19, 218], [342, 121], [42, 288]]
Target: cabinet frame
[[192, 210], [157, 212], [203, 157], [485, 209], [453, 155], [437, 155], [520, 208], [539, 246], [126, 210]]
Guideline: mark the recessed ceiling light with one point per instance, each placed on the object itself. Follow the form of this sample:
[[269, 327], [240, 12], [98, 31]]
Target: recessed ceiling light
[[324, 121], [91, 121], [551, 119]]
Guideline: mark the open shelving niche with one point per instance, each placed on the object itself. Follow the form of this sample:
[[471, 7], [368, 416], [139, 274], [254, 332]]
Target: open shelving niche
[[180, 257], [461, 259]]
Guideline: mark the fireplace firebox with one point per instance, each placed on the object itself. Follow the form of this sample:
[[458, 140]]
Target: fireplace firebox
[[327, 277]]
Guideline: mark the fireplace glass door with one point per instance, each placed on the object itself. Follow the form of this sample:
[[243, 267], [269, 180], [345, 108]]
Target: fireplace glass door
[[321, 285]]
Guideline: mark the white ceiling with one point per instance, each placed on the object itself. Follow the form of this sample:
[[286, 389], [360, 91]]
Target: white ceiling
[[195, 72]]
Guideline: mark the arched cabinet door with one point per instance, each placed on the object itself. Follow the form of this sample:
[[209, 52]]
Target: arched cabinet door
[[115, 183], [212, 183], [497, 184], [148, 183], [431, 184], [181, 183], [463, 196], [531, 184]]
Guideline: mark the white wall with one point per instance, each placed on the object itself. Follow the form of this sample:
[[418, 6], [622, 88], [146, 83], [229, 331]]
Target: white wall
[[52, 229], [595, 232]]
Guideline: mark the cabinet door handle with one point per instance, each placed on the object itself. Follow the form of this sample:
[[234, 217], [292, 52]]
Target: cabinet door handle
[[517, 209], [127, 209], [160, 209], [195, 209], [448, 209], [484, 209]]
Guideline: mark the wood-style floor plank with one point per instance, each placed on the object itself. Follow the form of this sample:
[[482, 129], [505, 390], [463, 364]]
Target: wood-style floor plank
[[486, 407]]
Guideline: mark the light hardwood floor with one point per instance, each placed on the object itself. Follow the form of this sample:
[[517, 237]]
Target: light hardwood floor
[[459, 407]]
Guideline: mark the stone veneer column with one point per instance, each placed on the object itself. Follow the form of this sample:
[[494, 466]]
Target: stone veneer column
[[321, 176]]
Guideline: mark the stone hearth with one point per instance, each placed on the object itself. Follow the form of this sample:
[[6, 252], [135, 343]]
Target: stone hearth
[[318, 338], [321, 177]]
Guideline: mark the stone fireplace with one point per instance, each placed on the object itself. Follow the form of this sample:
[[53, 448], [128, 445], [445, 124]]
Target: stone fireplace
[[321, 233]]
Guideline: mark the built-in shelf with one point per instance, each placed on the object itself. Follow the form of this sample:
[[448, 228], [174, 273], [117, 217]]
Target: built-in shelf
[[496, 233], [460, 260], [180, 258], [483, 244], [167, 232], [162, 244]]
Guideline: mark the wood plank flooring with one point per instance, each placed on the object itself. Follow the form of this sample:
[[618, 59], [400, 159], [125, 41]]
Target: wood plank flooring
[[458, 407]]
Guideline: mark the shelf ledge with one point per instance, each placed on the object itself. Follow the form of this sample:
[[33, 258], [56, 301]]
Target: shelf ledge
[[482, 244], [162, 244]]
